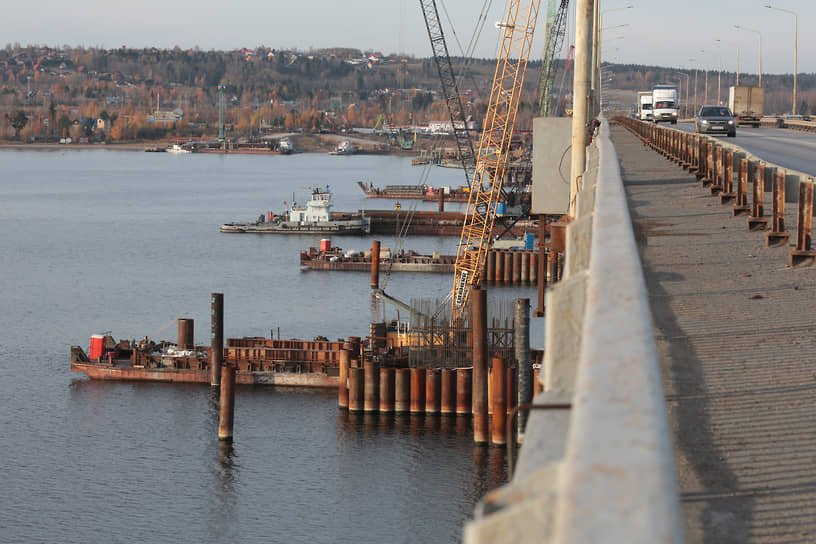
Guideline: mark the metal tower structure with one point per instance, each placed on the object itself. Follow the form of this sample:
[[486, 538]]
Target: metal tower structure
[[448, 78], [556, 30], [494, 147]]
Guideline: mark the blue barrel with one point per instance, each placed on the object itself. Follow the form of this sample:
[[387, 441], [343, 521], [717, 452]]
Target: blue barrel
[[529, 240], [500, 207]]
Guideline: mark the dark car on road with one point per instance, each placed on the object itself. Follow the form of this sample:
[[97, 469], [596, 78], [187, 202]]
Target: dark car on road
[[716, 119]]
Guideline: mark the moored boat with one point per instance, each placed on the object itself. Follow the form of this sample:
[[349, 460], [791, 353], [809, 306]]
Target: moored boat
[[315, 218]]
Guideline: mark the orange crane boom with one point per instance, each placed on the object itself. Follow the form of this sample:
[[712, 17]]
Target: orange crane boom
[[494, 148]]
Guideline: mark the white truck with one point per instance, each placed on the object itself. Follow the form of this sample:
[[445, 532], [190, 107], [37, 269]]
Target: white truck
[[664, 104], [644, 105], [746, 104]]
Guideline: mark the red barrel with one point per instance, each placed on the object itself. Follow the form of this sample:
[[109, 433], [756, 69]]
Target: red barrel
[[402, 390], [386, 390], [417, 390], [433, 391], [325, 244], [448, 387], [371, 394], [464, 390], [97, 346]]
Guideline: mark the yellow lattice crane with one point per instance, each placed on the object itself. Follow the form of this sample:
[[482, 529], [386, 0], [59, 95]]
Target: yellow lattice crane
[[494, 148]]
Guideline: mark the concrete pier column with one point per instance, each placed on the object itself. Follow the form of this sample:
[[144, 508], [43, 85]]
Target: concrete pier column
[[417, 390], [448, 392], [464, 391], [478, 308], [433, 390], [342, 387], [499, 427], [521, 341], [216, 358], [371, 388], [375, 264], [386, 390], [185, 334], [356, 389], [402, 390], [226, 404]]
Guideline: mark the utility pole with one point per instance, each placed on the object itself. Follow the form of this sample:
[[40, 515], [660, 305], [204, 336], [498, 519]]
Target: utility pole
[[221, 88], [584, 16]]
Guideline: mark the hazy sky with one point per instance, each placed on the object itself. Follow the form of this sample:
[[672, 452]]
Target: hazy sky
[[660, 32]]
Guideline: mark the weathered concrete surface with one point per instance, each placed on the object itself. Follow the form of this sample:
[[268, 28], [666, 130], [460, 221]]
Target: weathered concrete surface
[[736, 334]]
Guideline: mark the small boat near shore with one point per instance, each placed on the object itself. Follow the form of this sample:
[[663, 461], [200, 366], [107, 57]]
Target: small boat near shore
[[315, 218], [344, 148]]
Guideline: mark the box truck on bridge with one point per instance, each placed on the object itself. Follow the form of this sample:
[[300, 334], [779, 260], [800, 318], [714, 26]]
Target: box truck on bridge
[[664, 103], [644, 106], [746, 104]]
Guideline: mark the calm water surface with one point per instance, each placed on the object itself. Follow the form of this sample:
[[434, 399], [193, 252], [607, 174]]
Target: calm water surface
[[105, 240]]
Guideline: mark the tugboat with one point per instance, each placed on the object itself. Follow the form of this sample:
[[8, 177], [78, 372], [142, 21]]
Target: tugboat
[[315, 218]]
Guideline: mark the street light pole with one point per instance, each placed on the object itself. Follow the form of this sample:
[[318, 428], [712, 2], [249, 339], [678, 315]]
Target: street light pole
[[597, 37], [758, 33], [719, 74], [680, 95], [738, 54], [694, 108], [795, 47]]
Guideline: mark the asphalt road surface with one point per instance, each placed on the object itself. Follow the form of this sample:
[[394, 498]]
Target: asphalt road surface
[[787, 148]]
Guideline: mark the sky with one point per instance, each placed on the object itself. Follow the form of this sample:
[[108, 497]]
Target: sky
[[659, 32]]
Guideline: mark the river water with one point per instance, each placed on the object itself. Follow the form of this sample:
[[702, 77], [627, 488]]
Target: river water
[[123, 241]]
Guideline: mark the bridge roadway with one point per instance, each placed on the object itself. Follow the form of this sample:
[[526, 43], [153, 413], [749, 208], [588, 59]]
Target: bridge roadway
[[736, 335], [788, 148]]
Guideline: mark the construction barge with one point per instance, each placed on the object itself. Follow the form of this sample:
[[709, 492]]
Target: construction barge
[[258, 360], [415, 192], [503, 266]]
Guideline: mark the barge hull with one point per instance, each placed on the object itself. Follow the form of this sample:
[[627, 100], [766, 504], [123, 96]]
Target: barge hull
[[172, 375]]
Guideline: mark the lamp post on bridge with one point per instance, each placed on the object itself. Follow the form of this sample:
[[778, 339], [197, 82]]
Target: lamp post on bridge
[[719, 74], [758, 33], [735, 44], [681, 88], [694, 109], [597, 37], [795, 47]]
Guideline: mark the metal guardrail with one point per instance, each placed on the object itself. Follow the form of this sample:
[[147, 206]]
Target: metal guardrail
[[715, 162], [600, 467]]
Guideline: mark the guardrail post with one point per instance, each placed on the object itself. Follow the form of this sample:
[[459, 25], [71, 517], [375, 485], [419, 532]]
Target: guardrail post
[[708, 179], [716, 174], [702, 158], [803, 252], [727, 193], [777, 236], [741, 205], [756, 221]]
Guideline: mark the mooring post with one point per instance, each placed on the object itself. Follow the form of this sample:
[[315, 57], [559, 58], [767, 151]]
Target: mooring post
[[216, 337], [498, 435], [226, 406], [185, 334], [342, 387], [479, 319], [522, 352], [375, 264]]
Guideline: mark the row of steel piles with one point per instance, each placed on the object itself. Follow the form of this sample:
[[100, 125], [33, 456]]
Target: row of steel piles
[[478, 391]]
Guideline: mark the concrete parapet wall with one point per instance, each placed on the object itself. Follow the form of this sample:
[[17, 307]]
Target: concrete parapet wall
[[597, 466]]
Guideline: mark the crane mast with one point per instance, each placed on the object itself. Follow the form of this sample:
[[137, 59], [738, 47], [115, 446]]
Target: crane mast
[[449, 89], [494, 148], [556, 30]]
